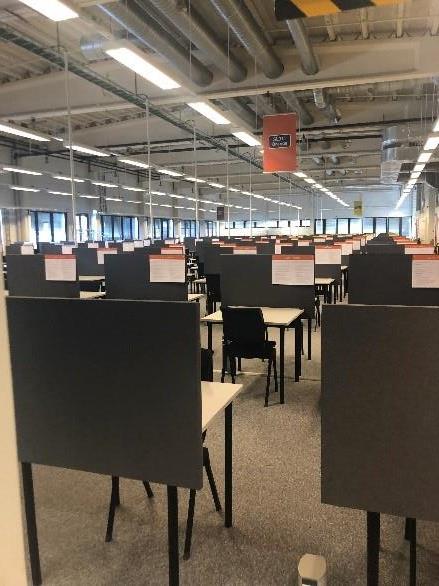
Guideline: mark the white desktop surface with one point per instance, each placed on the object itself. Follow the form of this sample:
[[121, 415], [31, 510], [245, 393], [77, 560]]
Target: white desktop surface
[[91, 278], [273, 316], [91, 294], [215, 397], [194, 296], [344, 267], [323, 281]]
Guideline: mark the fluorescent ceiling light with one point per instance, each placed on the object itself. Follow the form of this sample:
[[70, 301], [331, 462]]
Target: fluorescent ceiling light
[[219, 185], [136, 61], [158, 193], [415, 175], [431, 143], [309, 180], [132, 201], [134, 163], [191, 198], [86, 150], [20, 170], [202, 210], [233, 189], [53, 9], [85, 196], [238, 207], [247, 138], [170, 172], [209, 112], [20, 188], [24, 132], [66, 178], [129, 188], [420, 167], [436, 125], [319, 186], [193, 209], [179, 208], [165, 205], [59, 192], [194, 180], [104, 184], [175, 196], [257, 196], [424, 157], [300, 174], [246, 192], [113, 199]]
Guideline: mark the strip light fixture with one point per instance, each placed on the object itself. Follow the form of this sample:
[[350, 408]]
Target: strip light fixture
[[24, 132], [209, 112], [86, 150], [130, 188], [137, 62], [53, 9], [135, 163], [431, 143], [104, 184], [247, 138], [66, 178], [194, 180], [21, 170], [21, 188], [170, 172]]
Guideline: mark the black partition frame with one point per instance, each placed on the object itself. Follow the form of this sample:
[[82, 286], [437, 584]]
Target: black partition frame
[[127, 277], [247, 280], [27, 277], [386, 279], [75, 392], [378, 416]]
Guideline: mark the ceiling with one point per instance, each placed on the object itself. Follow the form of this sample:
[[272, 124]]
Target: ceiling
[[376, 68]]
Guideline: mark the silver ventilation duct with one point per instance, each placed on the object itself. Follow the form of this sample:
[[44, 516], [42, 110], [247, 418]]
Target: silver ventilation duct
[[245, 27], [196, 29], [157, 40], [239, 107], [303, 46], [398, 147], [326, 104], [296, 104]]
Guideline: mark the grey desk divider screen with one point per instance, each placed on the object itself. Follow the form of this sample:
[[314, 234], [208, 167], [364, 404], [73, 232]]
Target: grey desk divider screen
[[87, 262], [385, 279], [27, 277], [329, 272], [247, 280], [265, 247], [379, 409], [212, 258], [384, 248], [287, 249], [127, 277], [119, 408], [49, 248]]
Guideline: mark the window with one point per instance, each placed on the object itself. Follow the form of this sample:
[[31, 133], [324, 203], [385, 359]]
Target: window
[[189, 228], [119, 227], [48, 226], [355, 226], [163, 229], [331, 226], [210, 228], [343, 226], [394, 227], [367, 225], [305, 223], [406, 226], [319, 227], [380, 225], [82, 227]]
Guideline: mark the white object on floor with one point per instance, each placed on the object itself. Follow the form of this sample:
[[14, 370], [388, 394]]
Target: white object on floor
[[312, 570]]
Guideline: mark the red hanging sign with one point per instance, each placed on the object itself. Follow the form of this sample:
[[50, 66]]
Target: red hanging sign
[[279, 141]]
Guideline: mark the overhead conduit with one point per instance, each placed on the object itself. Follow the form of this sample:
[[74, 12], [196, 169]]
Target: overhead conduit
[[242, 22]]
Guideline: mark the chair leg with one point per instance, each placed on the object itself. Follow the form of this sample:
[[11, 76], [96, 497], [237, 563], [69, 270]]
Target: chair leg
[[210, 477], [267, 388], [275, 371], [148, 489], [114, 502], [223, 370], [232, 361], [189, 524]]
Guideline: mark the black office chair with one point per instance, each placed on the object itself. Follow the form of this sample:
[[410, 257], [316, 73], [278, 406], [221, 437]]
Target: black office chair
[[213, 286], [244, 336]]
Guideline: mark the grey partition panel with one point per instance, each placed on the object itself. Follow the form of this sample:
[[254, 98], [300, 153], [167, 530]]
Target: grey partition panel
[[297, 249], [189, 243], [127, 277], [49, 248], [87, 262], [345, 259], [129, 408], [265, 247], [246, 280], [329, 272], [384, 249], [386, 280], [379, 409], [27, 277], [212, 255]]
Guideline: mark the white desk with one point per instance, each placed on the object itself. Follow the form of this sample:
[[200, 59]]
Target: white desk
[[327, 285], [194, 296], [323, 281], [216, 398], [91, 294], [91, 278], [276, 317]]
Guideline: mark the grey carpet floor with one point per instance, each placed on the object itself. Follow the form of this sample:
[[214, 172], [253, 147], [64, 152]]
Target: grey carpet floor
[[277, 511]]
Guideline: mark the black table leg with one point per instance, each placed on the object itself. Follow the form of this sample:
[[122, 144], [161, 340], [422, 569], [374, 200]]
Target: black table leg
[[228, 466], [209, 335], [309, 338], [31, 522], [373, 548], [411, 536], [282, 364], [174, 571], [340, 287], [298, 350]]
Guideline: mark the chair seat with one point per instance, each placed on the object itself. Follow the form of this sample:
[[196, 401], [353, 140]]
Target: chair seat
[[249, 350]]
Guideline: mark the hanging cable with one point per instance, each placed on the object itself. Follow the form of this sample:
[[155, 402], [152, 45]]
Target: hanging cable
[[228, 202], [148, 140], [70, 139]]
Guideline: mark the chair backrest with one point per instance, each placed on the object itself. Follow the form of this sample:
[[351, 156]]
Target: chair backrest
[[200, 268], [243, 325], [206, 364], [213, 284]]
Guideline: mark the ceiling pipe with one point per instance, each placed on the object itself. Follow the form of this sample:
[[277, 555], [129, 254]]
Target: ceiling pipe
[[245, 27], [297, 105], [325, 103], [239, 107], [196, 29], [303, 46], [158, 40]]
